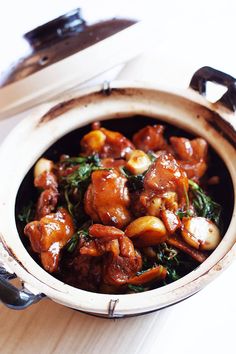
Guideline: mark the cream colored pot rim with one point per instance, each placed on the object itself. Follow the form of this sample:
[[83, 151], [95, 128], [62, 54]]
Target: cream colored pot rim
[[30, 138]]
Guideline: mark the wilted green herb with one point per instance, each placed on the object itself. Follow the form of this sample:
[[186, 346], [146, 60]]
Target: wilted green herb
[[186, 198], [135, 182], [172, 274], [168, 257], [136, 289], [27, 213], [166, 253], [184, 213], [71, 245], [188, 212], [152, 156], [74, 185], [181, 213], [204, 205], [72, 161], [70, 206], [86, 165], [81, 175], [145, 262]]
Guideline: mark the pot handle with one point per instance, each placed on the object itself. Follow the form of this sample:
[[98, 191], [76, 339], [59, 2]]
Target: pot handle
[[206, 73], [13, 297]]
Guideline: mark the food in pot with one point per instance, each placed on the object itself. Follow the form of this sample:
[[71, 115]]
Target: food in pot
[[124, 216]]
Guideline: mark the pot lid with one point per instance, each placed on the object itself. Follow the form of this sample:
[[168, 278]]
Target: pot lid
[[65, 53]]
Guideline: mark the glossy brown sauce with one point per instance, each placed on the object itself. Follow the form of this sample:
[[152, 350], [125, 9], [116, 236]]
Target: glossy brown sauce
[[69, 144]]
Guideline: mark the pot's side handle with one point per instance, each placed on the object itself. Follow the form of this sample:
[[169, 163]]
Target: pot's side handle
[[206, 73], [13, 297]]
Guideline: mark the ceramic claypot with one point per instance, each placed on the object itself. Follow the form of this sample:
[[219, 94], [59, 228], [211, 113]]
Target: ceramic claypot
[[50, 123]]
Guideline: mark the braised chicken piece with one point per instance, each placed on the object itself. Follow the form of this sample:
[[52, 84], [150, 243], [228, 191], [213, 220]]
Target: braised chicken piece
[[108, 239], [165, 185], [104, 239], [110, 249], [46, 180], [107, 198], [191, 155], [107, 233], [48, 198], [119, 269], [83, 272], [46, 203], [106, 143], [165, 175], [123, 217], [49, 235], [150, 138], [122, 260]]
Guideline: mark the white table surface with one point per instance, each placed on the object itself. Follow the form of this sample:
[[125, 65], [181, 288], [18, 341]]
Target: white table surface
[[190, 34]]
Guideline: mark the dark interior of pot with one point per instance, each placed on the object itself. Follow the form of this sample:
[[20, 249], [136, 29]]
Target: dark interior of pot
[[69, 144]]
